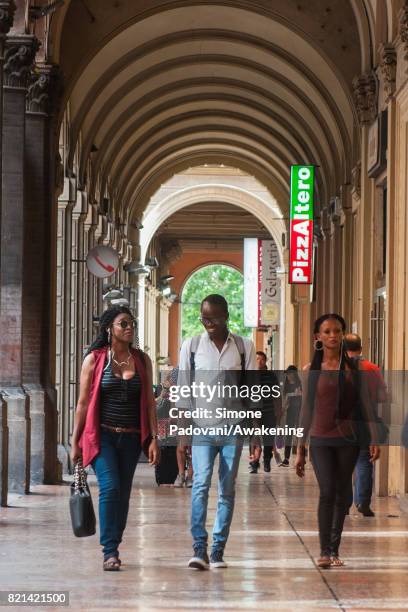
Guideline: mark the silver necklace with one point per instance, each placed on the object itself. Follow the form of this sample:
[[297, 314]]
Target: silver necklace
[[121, 364]]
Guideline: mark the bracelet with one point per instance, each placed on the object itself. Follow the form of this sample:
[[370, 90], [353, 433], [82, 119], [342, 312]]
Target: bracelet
[[154, 436]]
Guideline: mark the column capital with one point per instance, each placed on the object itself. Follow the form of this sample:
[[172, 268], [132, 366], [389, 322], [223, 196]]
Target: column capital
[[7, 9], [18, 58], [388, 67], [44, 89], [365, 92]]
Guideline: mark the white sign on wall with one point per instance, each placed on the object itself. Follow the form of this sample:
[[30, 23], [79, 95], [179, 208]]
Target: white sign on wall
[[270, 284], [261, 284]]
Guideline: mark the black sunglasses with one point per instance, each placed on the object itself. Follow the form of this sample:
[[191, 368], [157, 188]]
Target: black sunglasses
[[124, 323]]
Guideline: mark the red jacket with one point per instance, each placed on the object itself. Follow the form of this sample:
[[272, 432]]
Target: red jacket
[[89, 440]]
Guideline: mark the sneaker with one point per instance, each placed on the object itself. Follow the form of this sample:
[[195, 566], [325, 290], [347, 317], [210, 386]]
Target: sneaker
[[217, 559], [189, 482], [253, 467], [365, 510], [267, 465], [278, 459], [179, 481], [200, 559], [284, 463]]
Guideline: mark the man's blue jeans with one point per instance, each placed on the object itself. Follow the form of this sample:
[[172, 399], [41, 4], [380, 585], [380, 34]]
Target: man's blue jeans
[[204, 451], [114, 467], [363, 479]]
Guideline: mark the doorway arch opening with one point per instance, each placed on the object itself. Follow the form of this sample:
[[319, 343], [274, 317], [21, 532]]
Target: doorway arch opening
[[213, 278]]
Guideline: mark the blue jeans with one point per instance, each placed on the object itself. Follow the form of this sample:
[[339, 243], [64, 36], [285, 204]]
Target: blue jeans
[[363, 479], [114, 467], [204, 451]]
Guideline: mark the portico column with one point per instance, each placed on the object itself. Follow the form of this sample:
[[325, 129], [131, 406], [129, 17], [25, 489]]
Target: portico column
[[39, 273], [19, 55], [7, 8]]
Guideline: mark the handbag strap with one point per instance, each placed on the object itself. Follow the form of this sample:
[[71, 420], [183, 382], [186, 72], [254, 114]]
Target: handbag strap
[[79, 476]]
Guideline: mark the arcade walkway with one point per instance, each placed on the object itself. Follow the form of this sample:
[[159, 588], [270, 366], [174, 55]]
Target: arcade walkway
[[270, 552]]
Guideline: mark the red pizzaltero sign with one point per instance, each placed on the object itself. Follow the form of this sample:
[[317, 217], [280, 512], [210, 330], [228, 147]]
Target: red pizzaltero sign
[[301, 225]]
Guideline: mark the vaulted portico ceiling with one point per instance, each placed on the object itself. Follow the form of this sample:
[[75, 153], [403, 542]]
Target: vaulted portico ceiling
[[159, 86]]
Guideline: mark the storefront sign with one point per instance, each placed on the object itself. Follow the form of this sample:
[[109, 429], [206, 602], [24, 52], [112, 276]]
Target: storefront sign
[[261, 284], [301, 224]]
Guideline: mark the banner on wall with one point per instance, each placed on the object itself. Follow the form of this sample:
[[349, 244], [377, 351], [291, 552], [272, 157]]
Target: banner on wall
[[261, 284], [301, 225]]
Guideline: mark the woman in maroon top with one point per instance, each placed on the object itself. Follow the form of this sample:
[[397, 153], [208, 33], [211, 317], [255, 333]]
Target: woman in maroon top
[[115, 419], [332, 399]]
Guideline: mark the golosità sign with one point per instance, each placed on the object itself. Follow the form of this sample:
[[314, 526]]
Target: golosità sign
[[301, 224]]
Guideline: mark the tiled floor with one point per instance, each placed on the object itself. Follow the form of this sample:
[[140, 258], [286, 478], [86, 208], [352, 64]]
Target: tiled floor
[[270, 552]]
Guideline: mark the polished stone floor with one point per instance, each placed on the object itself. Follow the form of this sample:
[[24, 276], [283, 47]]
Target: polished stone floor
[[270, 552]]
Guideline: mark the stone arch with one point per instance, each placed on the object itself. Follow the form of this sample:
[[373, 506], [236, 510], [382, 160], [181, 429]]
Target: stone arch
[[210, 193]]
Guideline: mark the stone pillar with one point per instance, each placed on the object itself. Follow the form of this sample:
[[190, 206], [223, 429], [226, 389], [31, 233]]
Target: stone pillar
[[79, 215], [39, 255], [7, 8], [365, 97], [347, 258], [18, 58], [89, 279], [65, 206], [3, 453], [18, 446]]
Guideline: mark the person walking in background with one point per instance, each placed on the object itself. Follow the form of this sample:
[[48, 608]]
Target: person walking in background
[[271, 413], [363, 474], [216, 351], [185, 467], [175, 453], [167, 469], [330, 400], [292, 400], [115, 419]]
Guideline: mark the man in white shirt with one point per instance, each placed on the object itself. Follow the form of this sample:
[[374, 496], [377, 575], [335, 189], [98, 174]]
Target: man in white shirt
[[215, 350]]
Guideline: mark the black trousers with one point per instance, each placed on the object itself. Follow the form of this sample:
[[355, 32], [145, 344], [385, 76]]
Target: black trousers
[[333, 466]]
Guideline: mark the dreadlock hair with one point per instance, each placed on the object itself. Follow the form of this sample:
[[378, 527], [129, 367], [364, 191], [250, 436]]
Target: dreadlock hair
[[105, 322], [316, 363]]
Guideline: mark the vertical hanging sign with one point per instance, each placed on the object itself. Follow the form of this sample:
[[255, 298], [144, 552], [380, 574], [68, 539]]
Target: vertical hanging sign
[[261, 284], [301, 225]]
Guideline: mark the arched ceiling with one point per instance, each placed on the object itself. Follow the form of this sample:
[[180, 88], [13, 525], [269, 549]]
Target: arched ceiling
[[155, 87]]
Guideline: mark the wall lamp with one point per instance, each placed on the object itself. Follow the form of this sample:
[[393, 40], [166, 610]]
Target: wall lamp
[[136, 269], [152, 262]]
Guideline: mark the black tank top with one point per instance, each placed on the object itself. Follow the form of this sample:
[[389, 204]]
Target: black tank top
[[120, 399]]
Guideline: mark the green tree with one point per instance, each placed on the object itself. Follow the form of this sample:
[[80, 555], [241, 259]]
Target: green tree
[[220, 279]]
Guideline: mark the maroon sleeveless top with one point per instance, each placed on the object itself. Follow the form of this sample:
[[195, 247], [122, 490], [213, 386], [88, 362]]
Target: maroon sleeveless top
[[331, 418]]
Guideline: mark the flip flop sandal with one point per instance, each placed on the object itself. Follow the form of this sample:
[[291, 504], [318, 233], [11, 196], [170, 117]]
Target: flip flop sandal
[[336, 562], [111, 565], [324, 562]]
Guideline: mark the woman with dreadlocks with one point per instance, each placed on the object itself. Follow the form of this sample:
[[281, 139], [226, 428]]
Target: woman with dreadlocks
[[115, 419], [332, 397]]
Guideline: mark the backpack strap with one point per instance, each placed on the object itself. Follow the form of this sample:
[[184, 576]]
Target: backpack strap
[[239, 343], [195, 341]]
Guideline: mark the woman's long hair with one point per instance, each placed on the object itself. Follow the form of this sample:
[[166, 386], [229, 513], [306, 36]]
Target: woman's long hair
[[316, 363], [105, 322]]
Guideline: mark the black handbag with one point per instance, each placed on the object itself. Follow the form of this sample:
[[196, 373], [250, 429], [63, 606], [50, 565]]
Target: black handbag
[[80, 504]]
